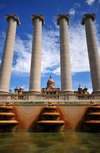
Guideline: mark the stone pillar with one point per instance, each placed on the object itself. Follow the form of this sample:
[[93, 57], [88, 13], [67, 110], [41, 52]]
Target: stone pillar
[[94, 58], [7, 58], [66, 79], [35, 72]]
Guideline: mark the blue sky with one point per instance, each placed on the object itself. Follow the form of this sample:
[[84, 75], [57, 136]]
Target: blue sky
[[50, 44]]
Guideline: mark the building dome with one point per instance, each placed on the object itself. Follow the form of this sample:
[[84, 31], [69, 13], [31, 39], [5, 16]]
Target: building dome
[[79, 88], [21, 88], [50, 83]]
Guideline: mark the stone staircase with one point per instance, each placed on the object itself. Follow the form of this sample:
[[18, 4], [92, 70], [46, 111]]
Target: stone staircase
[[92, 122], [50, 119], [7, 122]]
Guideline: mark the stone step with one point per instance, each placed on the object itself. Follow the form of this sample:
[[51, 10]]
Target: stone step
[[6, 122], [95, 107], [6, 107], [7, 114], [92, 122], [51, 122], [52, 114], [50, 107], [94, 113]]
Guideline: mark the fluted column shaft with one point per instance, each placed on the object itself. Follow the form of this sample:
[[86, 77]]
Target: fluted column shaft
[[7, 58], [35, 72], [94, 58], [66, 79]]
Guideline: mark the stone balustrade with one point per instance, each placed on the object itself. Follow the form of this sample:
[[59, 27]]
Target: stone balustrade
[[45, 98]]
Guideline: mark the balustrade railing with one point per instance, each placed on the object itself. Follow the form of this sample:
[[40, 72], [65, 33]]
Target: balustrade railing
[[49, 97]]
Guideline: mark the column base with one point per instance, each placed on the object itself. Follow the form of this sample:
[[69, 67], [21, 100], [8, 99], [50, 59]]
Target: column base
[[96, 92], [3, 92], [66, 92]]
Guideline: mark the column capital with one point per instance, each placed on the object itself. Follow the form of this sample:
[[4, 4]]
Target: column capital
[[14, 16], [65, 16], [40, 16], [86, 16]]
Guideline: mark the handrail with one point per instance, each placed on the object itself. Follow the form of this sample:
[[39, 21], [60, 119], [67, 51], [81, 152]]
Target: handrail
[[49, 97]]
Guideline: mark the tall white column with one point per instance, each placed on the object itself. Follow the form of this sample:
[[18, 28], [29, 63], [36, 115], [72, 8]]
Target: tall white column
[[66, 79], [94, 58], [7, 58], [35, 72]]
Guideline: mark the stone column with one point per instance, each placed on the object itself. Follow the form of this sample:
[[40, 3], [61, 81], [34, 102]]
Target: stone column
[[35, 72], [66, 79], [94, 58], [7, 58]]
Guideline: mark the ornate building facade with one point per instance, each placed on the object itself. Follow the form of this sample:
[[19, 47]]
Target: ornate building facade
[[50, 89]]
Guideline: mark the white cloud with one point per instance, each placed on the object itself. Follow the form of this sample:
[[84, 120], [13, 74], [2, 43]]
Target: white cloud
[[22, 51], [78, 47], [77, 5], [50, 51], [72, 11], [90, 90], [90, 2], [99, 1]]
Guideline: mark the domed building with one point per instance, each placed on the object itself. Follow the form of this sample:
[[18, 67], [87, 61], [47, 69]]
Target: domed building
[[81, 90], [50, 89], [19, 91], [50, 83]]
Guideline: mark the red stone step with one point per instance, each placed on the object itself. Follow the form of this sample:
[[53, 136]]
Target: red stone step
[[6, 107], [7, 114], [6, 122], [51, 122], [53, 114], [94, 113], [50, 107], [92, 122], [95, 107]]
